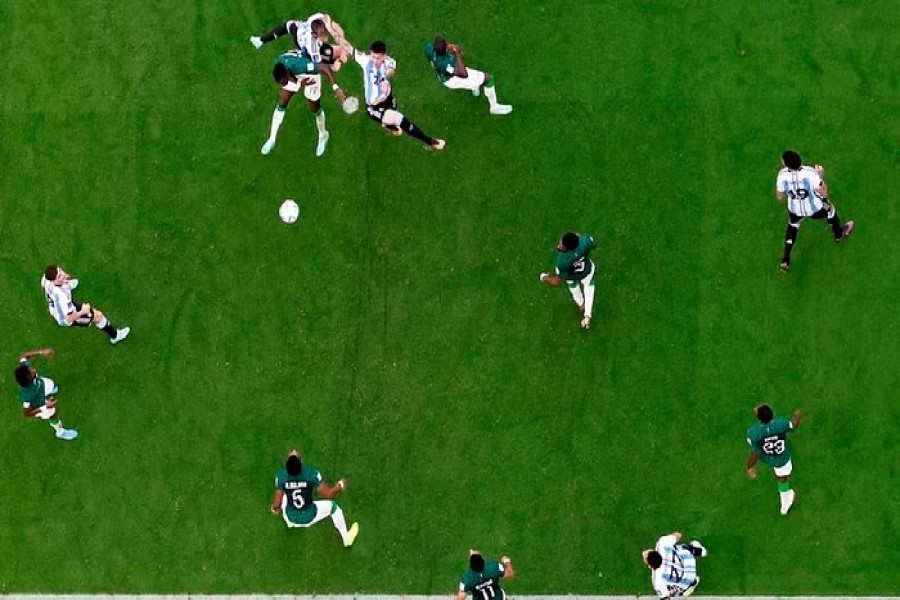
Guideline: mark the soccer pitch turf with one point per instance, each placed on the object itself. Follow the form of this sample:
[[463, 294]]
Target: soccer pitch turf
[[398, 335]]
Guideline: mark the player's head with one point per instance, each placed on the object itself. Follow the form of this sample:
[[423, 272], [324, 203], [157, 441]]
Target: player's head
[[280, 74], [440, 45], [378, 50], [568, 241], [25, 374], [293, 465], [654, 559], [476, 562], [791, 160], [764, 414], [319, 30], [55, 274]]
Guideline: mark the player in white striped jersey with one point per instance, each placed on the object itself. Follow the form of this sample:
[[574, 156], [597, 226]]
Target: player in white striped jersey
[[378, 70], [674, 565], [58, 286], [806, 194], [310, 36]]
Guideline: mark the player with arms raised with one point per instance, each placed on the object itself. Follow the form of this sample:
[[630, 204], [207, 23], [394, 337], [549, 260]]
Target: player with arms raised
[[295, 487], [768, 444], [452, 71], [575, 267], [482, 579]]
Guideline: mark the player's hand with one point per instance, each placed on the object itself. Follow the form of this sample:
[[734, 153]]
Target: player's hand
[[48, 352], [453, 49], [85, 308], [505, 560], [256, 41], [820, 171], [751, 472], [275, 509], [51, 402], [342, 484]]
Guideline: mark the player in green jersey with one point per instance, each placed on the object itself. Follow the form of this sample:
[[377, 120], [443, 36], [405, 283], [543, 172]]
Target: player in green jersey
[[452, 71], [768, 444], [293, 71], [38, 394], [482, 579], [295, 486], [574, 266]]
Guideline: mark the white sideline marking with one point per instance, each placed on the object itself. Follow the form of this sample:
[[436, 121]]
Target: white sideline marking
[[387, 597]]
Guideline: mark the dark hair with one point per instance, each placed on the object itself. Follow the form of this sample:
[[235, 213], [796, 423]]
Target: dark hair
[[791, 160], [326, 51], [476, 562], [23, 376], [279, 72], [764, 413], [378, 47], [570, 240], [51, 272], [293, 465], [440, 45], [318, 25], [654, 559]]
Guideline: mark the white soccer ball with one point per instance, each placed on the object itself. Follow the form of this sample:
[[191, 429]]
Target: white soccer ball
[[289, 211], [351, 105]]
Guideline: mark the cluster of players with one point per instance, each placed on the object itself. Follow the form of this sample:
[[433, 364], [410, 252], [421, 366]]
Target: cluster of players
[[321, 48]]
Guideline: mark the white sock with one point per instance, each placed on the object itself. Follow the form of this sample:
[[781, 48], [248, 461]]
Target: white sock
[[577, 295], [588, 300], [103, 323], [337, 517], [277, 120], [320, 122], [491, 94], [57, 427]]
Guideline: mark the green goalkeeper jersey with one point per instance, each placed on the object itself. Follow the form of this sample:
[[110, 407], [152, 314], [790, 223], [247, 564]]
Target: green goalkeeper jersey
[[444, 65], [575, 265], [769, 441], [298, 63], [484, 585]]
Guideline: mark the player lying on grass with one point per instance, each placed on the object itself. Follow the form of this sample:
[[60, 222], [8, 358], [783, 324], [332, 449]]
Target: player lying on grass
[[38, 394], [674, 565], [294, 70], [295, 487], [58, 286], [378, 70], [452, 71], [310, 36], [574, 266], [768, 443], [482, 578]]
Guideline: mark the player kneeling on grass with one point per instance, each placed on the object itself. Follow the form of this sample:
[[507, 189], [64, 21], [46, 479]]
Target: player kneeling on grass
[[482, 579], [378, 70], [295, 486], [674, 565], [58, 286], [38, 394], [574, 266], [295, 70], [446, 60]]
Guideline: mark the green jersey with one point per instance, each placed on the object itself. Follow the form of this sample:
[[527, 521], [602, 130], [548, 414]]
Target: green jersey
[[298, 64], [769, 441], [575, 265], [484, 585], [299, 491], [35, 395], [444, 65]]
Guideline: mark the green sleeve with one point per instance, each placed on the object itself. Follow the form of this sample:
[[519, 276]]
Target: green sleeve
[[493, 570], [429, 51], [783, 425]]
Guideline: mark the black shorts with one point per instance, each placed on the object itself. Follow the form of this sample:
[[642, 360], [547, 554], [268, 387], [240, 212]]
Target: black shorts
[[822, 213], [85, 320], [376, 111]]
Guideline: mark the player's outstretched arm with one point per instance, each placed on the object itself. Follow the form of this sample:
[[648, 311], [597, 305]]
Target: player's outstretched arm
[[332, 491], [508, 571], [797, 418], [551, 280], [47, 352], [460, 68]]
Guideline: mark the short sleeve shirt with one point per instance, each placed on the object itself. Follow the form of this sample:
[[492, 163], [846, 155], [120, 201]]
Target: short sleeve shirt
[[33, 396]]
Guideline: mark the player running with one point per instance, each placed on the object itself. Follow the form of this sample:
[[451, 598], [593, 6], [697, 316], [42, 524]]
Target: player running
[[38, 394], [446, 60], [294, 488], [58, 286], [674, 566], [574, 266], [378, 70], [768, 443], [294, 70], [482, 579]]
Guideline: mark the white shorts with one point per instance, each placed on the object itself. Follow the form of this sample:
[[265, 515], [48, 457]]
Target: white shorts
[[474, 81], [584, 282], [785, 470], [312, 91], [323, 511]]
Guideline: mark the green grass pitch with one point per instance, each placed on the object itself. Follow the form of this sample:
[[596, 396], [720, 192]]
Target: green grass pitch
[[398, 334]]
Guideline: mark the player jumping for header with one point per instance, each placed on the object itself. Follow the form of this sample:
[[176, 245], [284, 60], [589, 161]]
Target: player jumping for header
[[452, 71], [574, 266]]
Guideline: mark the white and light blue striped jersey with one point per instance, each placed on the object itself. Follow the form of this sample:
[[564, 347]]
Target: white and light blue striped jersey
[[59, 300], [375, 79], [800, 188], [304, 38], [678, 571]]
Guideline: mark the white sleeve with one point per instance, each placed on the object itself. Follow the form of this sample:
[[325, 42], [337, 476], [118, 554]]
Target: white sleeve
[[666, 541], [389, 62], [361, 58]]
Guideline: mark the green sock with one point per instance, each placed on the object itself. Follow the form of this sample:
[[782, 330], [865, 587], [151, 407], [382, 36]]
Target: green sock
[[784, 486]]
